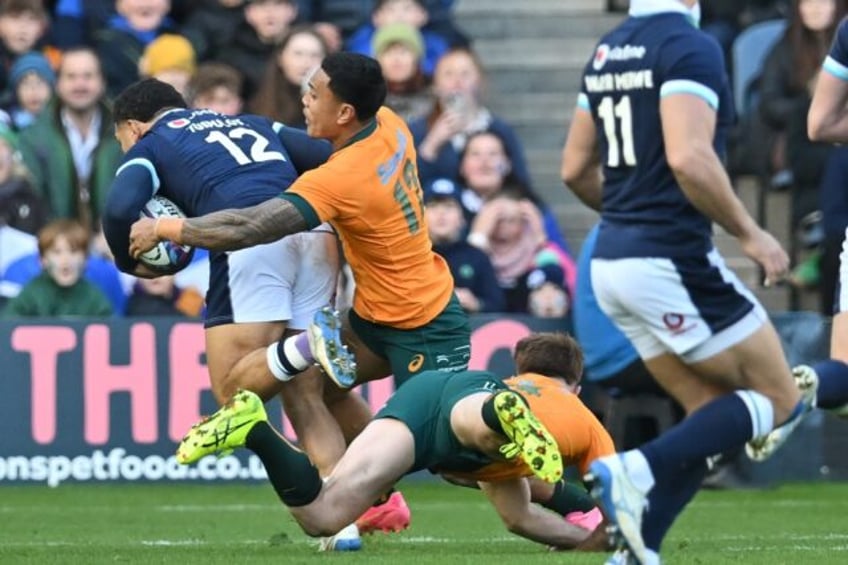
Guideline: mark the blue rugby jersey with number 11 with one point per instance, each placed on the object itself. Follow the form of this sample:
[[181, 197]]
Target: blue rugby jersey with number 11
[[645, 213]]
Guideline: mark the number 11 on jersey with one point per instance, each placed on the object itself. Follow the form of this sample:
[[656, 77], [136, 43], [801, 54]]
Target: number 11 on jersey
[[611, 114]]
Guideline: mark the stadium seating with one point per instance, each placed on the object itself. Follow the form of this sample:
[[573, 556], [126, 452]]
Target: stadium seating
[[749, 53], [621, 411]]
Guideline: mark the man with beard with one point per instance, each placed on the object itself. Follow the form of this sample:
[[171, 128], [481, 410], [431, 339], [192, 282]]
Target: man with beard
[[70, 149]]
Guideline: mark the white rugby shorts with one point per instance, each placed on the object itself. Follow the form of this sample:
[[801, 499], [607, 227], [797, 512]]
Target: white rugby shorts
[[692, 307], [286, 280]]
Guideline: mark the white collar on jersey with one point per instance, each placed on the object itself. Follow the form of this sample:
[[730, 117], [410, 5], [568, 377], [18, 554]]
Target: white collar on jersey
[[166, 112], [639, 8]]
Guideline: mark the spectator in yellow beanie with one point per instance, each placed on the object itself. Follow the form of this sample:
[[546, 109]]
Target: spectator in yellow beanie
[[169, 58]]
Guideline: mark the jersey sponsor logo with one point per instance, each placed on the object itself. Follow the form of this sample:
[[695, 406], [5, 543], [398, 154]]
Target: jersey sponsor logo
[[415, 363], [606, 53], [673, 321], [601, 55], [676, 323], [527, 387], [179, 123], [456, 361]]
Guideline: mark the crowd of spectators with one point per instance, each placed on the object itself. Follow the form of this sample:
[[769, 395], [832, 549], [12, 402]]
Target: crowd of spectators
[[62, 62], [771, 141]]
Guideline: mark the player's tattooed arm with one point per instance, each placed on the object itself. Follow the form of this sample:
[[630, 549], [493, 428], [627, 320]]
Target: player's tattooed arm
[[227, 230], [233, 229]]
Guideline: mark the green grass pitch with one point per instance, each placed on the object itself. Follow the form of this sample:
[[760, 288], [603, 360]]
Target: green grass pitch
[[236, 524]]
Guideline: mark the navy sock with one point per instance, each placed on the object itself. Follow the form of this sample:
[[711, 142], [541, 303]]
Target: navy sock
[[290, 471], [667, 500], [722, 425], [833, 384]]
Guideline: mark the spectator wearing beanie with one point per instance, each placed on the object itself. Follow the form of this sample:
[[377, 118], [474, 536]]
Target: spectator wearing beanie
[[32, 81], [475, 282], [399, 48], [171, 59], [412, 12], [546, 294]]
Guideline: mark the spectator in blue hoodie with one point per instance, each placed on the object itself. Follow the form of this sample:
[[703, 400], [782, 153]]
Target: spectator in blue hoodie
[[121, 43], [411, 12], [340, 18]]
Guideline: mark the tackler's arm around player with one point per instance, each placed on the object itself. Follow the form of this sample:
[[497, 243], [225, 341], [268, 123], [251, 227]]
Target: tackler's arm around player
[[227, 230], [511, 500]]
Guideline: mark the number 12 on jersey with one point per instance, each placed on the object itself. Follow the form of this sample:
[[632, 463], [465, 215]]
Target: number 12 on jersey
[[612, 115], [258, 148]]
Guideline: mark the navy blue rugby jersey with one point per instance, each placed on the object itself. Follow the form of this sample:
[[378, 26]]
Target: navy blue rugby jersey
[[647, 57], [836, 62], [205, 162]]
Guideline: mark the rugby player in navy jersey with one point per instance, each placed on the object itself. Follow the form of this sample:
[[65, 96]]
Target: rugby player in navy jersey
[[828, 121], [204, 162], [645, 149]]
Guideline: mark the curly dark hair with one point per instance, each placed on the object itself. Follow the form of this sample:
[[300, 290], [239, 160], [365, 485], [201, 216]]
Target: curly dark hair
[[356, 80], [144, 99]]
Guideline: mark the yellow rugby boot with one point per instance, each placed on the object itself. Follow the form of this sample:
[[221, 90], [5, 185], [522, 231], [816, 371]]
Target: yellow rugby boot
[[529, 439], [225, 430]]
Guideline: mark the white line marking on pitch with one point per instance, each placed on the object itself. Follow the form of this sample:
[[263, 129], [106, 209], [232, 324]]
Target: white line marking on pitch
[[431, 539], [784, 536], [200, 542], [134, 543], [766, 503], [214, 507], [758, 548], [172, 543]]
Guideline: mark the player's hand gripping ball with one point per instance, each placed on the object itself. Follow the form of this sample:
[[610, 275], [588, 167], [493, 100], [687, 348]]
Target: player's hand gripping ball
[[167, 257]]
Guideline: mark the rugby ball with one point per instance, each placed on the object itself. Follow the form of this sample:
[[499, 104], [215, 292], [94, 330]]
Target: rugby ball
[[167, 257]]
